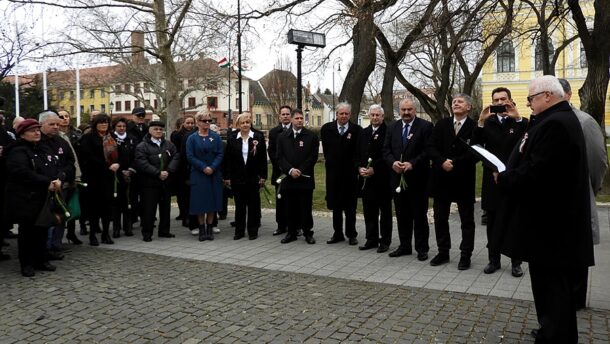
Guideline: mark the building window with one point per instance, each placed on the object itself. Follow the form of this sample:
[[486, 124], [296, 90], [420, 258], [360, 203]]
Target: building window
[[136, 103], [156, 104], [82, 94], [269, 119], [128, 105], [82, 109], [91, 94], [506, 57], [91, 108], [71, 95], [136, 88], [191, 102], [103, 107], [212, 102], [583, 57], [538, 55], [258, 119], [117, 107], [319, 121], [61, 95], [102, 92]]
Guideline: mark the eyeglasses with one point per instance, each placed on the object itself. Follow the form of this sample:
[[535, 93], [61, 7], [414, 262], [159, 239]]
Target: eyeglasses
[[530, 98], [63, 117], [205, 120]]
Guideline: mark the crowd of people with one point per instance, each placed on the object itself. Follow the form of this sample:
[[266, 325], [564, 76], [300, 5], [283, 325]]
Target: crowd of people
[[125, 171]]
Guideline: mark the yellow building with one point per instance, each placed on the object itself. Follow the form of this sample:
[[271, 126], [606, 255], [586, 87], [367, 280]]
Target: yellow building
[[517, 61]]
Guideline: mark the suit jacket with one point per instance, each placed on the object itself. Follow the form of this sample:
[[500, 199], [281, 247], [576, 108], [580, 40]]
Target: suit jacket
[[499, 139], [134, 130], [547, 214], [234, 167], [371, 147], [341, 162], [458, 184], [274, 133], [300, 152], [414, 152]]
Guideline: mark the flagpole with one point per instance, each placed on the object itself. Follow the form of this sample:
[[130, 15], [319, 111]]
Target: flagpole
[[78, 114], [229, 115], [239, 55], [16, 95]]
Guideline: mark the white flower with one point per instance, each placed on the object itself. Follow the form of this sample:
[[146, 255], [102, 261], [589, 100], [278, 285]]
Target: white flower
[[370, 160], [279, 180], [397, 190], [114, 194], [67, 214], [279, 196]]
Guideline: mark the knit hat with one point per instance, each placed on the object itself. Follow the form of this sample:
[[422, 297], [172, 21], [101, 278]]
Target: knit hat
[[26, 125]]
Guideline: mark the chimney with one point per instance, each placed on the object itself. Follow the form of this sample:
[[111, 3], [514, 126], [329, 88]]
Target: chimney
[[137, 48]]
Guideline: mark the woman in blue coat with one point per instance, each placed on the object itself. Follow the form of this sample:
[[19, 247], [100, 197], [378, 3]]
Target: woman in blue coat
[[204, 151]]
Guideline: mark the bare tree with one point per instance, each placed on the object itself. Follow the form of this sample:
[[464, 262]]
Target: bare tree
[[597, 49], [16, 43]]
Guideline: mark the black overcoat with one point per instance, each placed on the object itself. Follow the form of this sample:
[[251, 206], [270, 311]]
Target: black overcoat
[[371, 147], [547, 213], [341, 162], [499, 139], [274, 133], [457, 185]]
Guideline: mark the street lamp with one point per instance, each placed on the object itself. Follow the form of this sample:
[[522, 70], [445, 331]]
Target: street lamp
[[304, 39], [111, 107]]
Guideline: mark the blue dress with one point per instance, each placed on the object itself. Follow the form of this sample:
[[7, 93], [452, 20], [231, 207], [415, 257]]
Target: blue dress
[[206, 191]]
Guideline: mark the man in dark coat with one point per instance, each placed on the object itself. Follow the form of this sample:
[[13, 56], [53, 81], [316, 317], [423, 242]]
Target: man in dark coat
[[453, 179], [138, 129], [548, 214], [405, 153], [280, 204], [375, 183], [156, 158], [340, 146], [498, 133], [297, 152]]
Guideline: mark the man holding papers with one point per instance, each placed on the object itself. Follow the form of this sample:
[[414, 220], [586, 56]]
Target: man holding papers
[[498, 131]]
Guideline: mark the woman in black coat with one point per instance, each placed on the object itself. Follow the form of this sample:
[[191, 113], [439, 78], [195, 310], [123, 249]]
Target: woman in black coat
[[99, 166], [245, 170], [31, 174], [121, 206]]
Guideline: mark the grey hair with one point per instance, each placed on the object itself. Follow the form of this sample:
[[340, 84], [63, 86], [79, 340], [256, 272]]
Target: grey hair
[[464, 96], [344, 105], [375, 107], [46, 115], [547, 83]]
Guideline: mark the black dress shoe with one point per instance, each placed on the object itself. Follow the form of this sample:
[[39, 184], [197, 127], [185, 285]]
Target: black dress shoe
[[299, 232], [279, 231], [517, 271], [335, 240], [352, 241], [400, 252], [73, 239], [252, 236], [535, 333], [288, 238], [93, 240], [464, 263], [179, 217], [422, 256], [166, 235], [46, 266], [27, 271], [106, 239], [492, 267], [368, 245], [439, 259], [233, 223], [383, 248], [238, 236], [309, 239], [54, 255]]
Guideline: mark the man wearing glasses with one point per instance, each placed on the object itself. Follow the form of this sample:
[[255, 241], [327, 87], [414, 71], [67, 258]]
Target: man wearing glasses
[[548, 210]]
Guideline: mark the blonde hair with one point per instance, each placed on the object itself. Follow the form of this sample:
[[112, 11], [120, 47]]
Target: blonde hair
[[241, 117]]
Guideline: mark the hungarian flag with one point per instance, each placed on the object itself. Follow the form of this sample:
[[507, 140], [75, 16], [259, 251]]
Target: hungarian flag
[[224, 63]]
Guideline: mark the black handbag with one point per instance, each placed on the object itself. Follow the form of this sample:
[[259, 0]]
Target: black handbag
[[47, 217]]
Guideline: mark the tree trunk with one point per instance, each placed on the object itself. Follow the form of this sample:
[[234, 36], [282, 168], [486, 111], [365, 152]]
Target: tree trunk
[[593, 91], [363, 65], [387, 89]]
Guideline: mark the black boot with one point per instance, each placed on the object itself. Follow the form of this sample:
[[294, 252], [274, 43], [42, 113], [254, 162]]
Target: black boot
[[210, 231], [71, 236], [202, 233], [93, 239], [106, 237]]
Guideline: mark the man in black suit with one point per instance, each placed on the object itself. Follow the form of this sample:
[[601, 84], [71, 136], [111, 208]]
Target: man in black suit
[[405, 152], [498, 132], [297, 153], [280, 204], [138, 129], [374, 183], [453, 179], [340, 146], [548, 213]]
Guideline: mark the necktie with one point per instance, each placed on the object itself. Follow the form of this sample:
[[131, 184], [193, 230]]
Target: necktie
[[405, 134], [341, 130], [456, 127]]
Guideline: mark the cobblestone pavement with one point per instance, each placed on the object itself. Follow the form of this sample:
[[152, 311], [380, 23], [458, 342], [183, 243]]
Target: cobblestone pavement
[[117, 296]]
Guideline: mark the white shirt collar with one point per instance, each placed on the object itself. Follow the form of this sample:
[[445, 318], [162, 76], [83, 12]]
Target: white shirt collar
[[346, 125], [296, 132], [156, 141], [250, 134], [461, 121]]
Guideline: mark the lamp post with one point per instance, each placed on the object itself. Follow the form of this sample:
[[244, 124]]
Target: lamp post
[[111, 107], [333, 95], [304, 39]]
